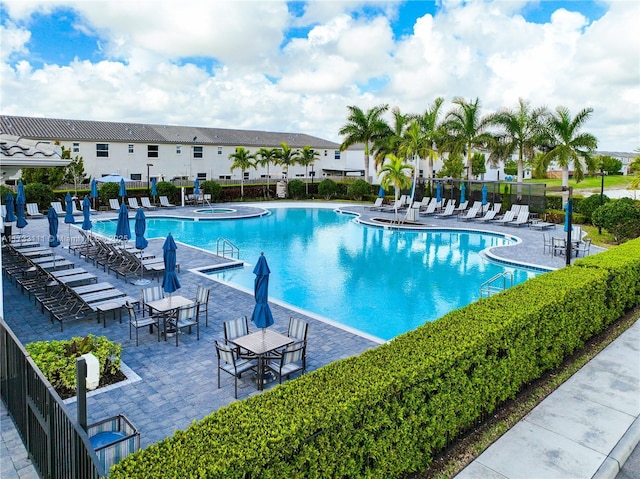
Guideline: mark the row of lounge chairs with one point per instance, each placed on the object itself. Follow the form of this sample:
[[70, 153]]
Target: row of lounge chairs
[[114, 204]]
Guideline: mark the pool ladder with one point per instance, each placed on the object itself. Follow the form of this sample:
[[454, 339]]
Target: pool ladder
[[492, 286], [227, 249]]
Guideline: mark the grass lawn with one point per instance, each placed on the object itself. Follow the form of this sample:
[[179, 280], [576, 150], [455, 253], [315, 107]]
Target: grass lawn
[[591, 182]]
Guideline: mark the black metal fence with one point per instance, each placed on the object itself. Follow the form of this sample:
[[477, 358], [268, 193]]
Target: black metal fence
[[57, 445]]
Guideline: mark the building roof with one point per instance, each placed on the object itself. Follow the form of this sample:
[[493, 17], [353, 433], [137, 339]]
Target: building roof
[[87, 130], [18, 152]]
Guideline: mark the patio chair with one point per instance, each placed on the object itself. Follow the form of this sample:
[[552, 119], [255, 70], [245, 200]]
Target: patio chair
[[151, 293], [547, 243], [56, 205], [33, 211], [430, 209], [298, 329], [230, 363], [137, 322], [164, 202], [522, 219], [146, 204], [75, 211], [558, 246], [583, 247], [113, 439], [376, 205], [133, 203], [114, 204], [185, 317], [235, 328], [202, 299], [508, 217], [471, 213], [449, 211], [292, 359]]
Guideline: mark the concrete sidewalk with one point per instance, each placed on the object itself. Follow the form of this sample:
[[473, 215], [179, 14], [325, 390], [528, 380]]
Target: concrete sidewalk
[[587, 428]]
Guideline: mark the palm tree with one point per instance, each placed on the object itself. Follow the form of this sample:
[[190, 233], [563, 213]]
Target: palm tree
[[389, 143], [287, 157], [465, 129], [523, 129], [431, 129], [241, 160], [307, 157], [397, 173], [265, 157], [364, 128], [414, 145], [568, 144]]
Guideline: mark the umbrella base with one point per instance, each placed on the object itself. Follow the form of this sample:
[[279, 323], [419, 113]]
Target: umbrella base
[[141, 281], [267, 378]]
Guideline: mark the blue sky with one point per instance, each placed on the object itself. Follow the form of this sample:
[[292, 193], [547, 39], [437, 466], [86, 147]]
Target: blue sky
[[308, 60]]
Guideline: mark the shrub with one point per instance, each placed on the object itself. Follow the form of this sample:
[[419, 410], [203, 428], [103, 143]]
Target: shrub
[[39, 193], [165, 188], [212, 188], [327, 188], [589, 204], [296, 189], [621, 218], [3, 193], [57, 359], [358, 190], [108, 191]]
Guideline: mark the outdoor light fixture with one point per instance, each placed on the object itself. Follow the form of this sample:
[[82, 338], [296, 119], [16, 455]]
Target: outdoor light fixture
[[149, 165]]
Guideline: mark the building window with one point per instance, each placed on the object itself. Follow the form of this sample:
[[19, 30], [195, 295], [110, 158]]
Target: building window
[[197, 152], [224, 177], [219, 150], [246, 175], [326, 153], [152, 151], [336, 155], [131, 149], [136, 176], [76, 147], [102, 150], [178, 149]]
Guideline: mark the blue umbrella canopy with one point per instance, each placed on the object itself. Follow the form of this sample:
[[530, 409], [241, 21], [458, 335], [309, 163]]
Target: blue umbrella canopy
[[463, 190], [196, 186], [484, 195], [68, 217], [52, 216], [170, 282], [154, 191], [94, 189], [439, 193], [123, 189], [567, 214], [11, 208], [123, 230], [262, 316], [21, 200], [140, 227], [381, 192], [86, 214]]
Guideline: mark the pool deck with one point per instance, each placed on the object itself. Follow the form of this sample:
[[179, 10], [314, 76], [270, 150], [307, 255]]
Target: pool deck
[[169, 387]]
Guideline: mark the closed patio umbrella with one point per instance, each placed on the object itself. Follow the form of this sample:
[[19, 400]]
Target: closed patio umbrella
[[262, 316], [123, 230], [86, 214], [381, 192], [94, 192], [439, 193], [11, 215], [154, 191], [463, 190], [68, 217], [21, 200], [52, 217], [123, 189], [140, 227], [484, 195], [170, 282]]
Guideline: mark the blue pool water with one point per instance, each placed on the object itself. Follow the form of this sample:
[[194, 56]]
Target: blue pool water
[[379, 281]]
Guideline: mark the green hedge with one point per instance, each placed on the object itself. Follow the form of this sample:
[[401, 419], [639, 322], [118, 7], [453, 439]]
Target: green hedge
[[389, 410]]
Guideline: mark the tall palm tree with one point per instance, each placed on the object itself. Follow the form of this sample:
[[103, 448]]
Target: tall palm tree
[[523, 127], [432, 131], [466, 129], [287, 157], [414, 146], [568, 144], [241, 160], [397, 173], [364, 128], [264, 157], [389, 143], [307, 157]]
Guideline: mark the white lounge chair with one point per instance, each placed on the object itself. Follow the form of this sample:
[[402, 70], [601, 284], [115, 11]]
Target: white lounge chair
[[471, 213], [75, 211], [509, 216], [146, 204], [430, 209], [449, 211], [33, 212], [522, 219], [133, 203], [56, 205], [164, 202], [114, 204], [376, 205]]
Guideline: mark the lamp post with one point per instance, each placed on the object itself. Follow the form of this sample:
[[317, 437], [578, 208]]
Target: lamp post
[[601, 194], [149, 165]]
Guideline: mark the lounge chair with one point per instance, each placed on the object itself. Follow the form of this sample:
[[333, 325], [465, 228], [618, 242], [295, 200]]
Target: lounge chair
[[509, 216], [471, 213], [430, 209], [449, 211], [376, 205], [133, 203], [522, 219], [114, 204], [75, 211], [146, 204], [164, 202], [56, 205], [462, 207], [33, 212]]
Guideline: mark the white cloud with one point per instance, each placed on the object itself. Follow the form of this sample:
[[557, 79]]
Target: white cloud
[[471, 49]]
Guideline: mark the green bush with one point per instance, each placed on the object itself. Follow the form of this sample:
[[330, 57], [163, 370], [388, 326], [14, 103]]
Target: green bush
[[296, 189], [327, 188], [212, 188], [589, 204], [168, 189], [389, 411], [108, 191], [621, 218], [39, 193], [358, 190], [57, 359], [3, 193]]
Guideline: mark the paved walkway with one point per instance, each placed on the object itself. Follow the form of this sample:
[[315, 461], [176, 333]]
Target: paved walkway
[[159, 396]]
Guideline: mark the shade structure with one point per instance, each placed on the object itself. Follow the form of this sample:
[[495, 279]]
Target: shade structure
[[154, 191], [484, 195], [52, 217], [463, 190], [11, 208], [86, 214], [262, 316], [112, 179], [123, 230], [439, 193], [21, 200], [170, 282], [123, 190], [94, 192], [140, 226], [381, 192]]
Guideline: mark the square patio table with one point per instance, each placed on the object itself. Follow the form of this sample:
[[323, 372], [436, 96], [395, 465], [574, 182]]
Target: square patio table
[[166, 305], [261, 343]]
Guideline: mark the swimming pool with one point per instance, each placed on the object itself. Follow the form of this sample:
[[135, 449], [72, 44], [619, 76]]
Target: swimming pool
[[379, 281]]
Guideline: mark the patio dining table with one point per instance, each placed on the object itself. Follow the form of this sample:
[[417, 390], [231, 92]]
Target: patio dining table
[[166, 306], [261, 343]]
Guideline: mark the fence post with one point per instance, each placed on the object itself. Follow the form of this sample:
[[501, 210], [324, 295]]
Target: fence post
[[81, 391]]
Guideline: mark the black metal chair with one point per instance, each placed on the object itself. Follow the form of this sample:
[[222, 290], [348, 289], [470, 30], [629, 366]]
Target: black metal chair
[[202, 298], [230, 363], [141, 322], [185, 317], [292, 359]]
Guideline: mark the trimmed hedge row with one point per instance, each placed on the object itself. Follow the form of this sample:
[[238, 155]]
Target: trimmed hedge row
[[389, 410]]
